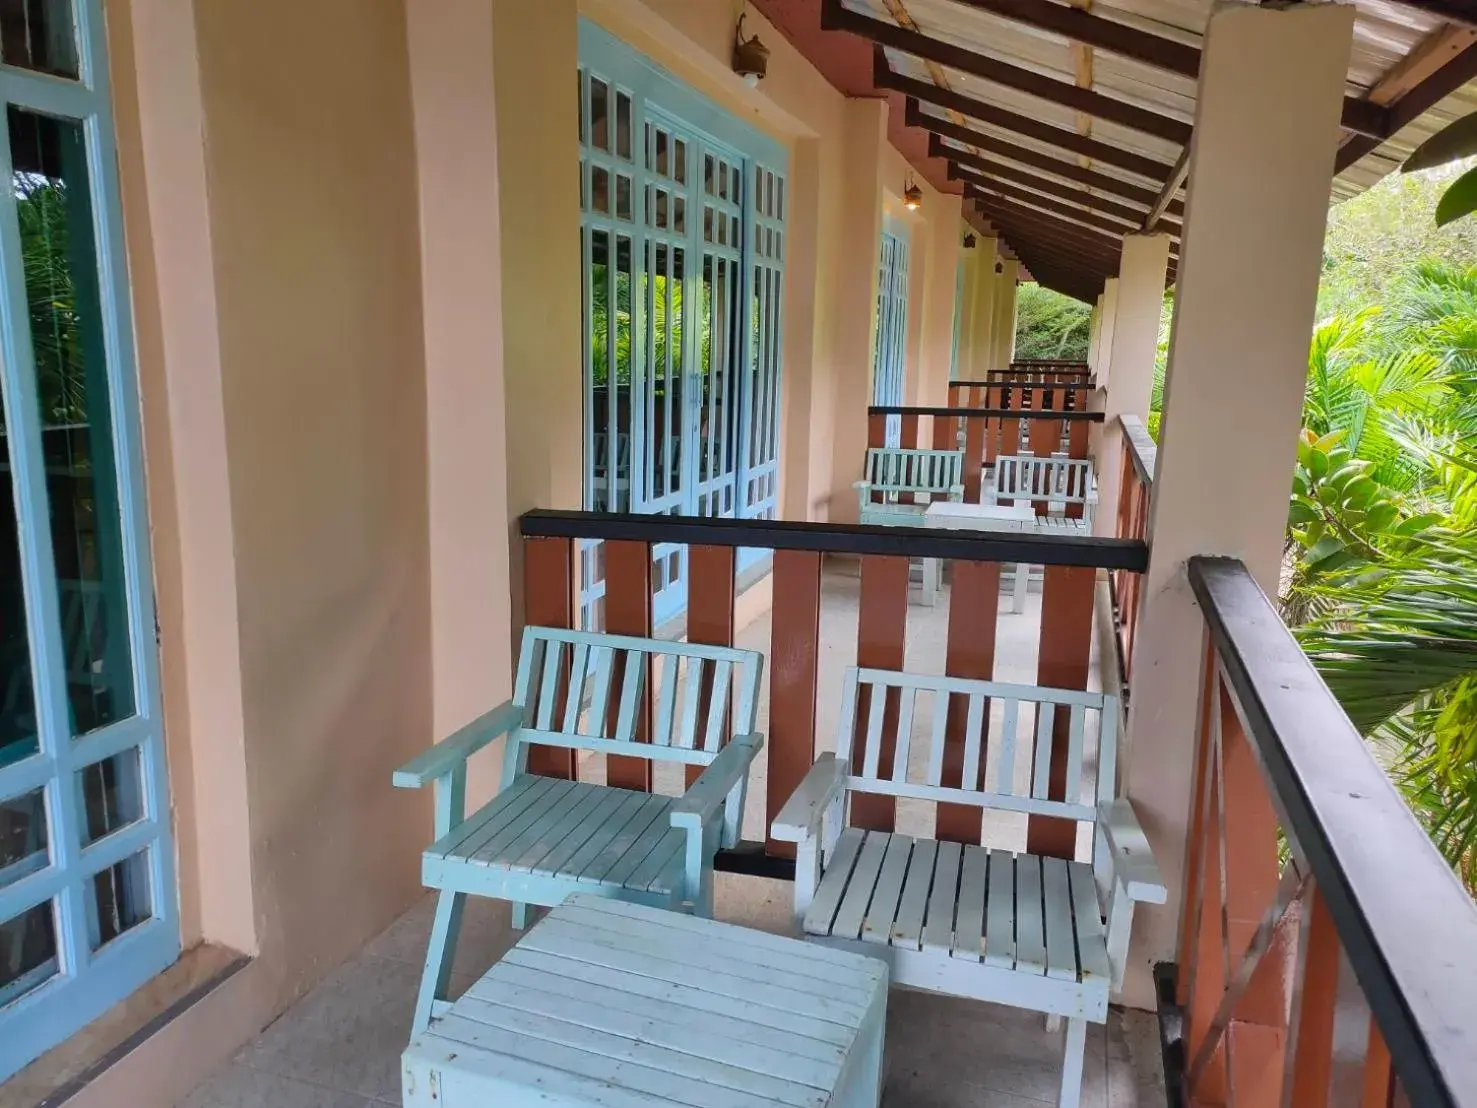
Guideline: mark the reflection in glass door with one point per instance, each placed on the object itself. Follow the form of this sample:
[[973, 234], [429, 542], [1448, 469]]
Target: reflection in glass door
[[87, 898], [889, 357], [682, 241]]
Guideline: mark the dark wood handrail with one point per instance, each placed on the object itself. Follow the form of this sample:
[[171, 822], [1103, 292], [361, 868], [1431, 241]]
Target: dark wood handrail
[[1028, 383], [1086, 551], [1407, 926], [1142, 450], [990, 413]]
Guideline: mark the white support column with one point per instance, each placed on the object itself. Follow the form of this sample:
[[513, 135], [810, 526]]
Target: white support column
[[1095, 333], [1135, 340], [1103, 370], [1003, 336], [1266, 129], [983, 301]]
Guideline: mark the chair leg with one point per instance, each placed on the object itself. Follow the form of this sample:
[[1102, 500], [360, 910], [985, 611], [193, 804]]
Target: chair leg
[[1072, 1059], [520, 916], [440, 953]]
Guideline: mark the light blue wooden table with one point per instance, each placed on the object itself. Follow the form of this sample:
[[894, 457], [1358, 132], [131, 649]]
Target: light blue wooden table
[[614, 1004]]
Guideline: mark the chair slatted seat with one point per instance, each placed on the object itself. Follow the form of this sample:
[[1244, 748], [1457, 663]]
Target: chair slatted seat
[[1044, 933]]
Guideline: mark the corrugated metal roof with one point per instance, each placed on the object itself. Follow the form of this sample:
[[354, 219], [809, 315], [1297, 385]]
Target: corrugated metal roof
[[1386, 35]]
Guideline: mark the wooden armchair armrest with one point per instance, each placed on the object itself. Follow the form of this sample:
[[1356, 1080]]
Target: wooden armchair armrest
[[1133, 861], [453, 751], [956, 493], [707, 794], [801, 816]]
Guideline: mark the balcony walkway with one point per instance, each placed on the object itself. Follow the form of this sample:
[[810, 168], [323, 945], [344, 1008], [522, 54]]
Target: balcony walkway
[[339, 1046]]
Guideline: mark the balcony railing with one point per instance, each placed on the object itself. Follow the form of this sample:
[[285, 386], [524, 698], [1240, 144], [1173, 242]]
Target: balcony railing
[[1033, 421], [628, 542], [1346, 974], [1135, 485]]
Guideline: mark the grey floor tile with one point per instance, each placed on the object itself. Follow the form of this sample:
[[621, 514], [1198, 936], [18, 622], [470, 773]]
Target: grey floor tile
[[241, 1087]]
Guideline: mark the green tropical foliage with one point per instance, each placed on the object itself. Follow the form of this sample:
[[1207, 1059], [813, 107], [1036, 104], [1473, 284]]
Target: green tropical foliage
[[1050, 325]]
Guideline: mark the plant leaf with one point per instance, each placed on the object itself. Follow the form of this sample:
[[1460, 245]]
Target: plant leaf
[[1456, 140], [1458, 200]]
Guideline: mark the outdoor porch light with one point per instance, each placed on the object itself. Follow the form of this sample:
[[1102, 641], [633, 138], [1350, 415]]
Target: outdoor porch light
[[969, 241], [750, 56], [912, 195]]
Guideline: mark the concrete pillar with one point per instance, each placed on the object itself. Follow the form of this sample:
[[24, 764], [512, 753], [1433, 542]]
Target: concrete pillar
[[535, 48], [451, 70], [1261, 165], [855, 278], [1107, 320], [940, 285], [984, 309], [1095, 332], [1003, 318], [1135, 338]]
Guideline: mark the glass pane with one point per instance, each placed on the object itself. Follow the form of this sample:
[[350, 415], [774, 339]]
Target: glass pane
[[661, 154], [600, 189], [113, 794], [621, 493], [599, 114], [679, 216], [623, 125], [622, 196], [22, 836], [27, 951], [55, 214], [580, 100], [18, 736], [679, 158], [39, 35], [120, 898], [600, 369]]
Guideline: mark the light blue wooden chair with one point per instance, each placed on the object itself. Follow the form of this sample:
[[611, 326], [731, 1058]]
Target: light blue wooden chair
[[965, 921], [540, 838], [901, 482]]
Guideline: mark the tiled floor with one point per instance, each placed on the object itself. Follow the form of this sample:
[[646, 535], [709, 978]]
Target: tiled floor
[[339, 1047]]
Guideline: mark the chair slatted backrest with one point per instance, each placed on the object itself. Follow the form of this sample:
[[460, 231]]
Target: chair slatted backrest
[[589, 691], [1028, 477], [895, 471], [1006, 764]]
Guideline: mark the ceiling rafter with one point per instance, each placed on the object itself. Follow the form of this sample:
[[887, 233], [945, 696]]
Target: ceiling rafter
[[1415, 101], [1359, 115], [1073, 236], [985, 189], [836, 17], [986, 170], [1069, 171], [1058, 137]]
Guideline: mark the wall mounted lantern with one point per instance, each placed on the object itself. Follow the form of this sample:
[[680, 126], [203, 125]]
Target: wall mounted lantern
[[750, 56], [912, 195], [969, 241]]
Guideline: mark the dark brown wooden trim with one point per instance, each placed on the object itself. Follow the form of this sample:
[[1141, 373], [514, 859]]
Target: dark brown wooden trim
[[710, 599], [884, 77], [998, 207], [1063, 662], [1069, 171], [989, 172], [841, 538], [1101, 34], [1441, 84], [836, 17], [1089, 217], [882, 627], [1405, 923], [794, 673], [628, 612], [548, 601], [974, 614], [1012, 413]]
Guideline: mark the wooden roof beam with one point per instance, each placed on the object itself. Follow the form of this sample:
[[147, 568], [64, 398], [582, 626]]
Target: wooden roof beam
[[836, 17], [1440, 84], [986, 189], [1073, 236], [883, 76], [1070, 171], [1360, 116], [1047, 186]]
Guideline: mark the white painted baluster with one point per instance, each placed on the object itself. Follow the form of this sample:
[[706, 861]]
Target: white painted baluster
[[1045, 718]]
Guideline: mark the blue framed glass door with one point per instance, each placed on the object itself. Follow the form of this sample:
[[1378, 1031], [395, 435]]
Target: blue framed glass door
[[87, 895], [890, 355], [682, 244]]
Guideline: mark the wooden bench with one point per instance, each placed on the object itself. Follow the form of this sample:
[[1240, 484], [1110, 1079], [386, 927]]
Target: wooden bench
[[1050, 483], [1011, 928], [540, 838], [901, 483]]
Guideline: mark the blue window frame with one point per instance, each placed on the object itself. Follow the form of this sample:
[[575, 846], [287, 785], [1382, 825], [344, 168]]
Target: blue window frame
[[889, 357], [682, 237], [87, 895]]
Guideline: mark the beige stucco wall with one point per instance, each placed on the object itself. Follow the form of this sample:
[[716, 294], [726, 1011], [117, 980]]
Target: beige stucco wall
[[270, 209]]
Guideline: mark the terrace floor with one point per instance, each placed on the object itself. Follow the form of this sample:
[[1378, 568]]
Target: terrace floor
[[339, 1047]]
